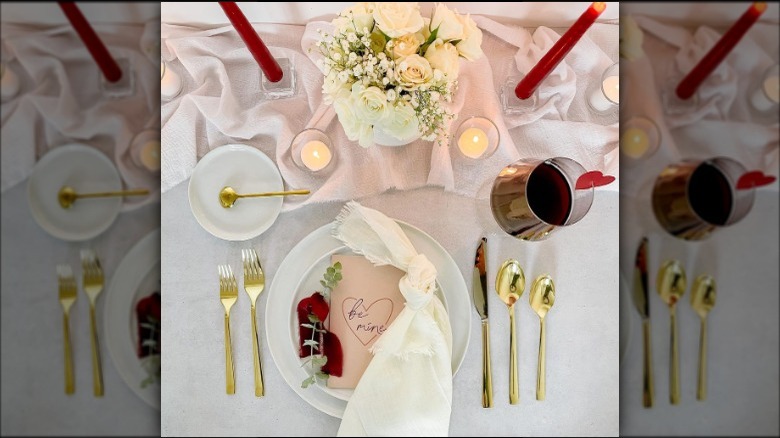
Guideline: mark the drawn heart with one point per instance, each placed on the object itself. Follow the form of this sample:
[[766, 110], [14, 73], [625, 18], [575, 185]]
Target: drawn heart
[[594, 178], [754, 178], [367, 322]]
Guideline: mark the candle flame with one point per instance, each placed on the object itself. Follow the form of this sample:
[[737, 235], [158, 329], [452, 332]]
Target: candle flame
[[599, 6], [475, 139], [316, 154], [759, 6]]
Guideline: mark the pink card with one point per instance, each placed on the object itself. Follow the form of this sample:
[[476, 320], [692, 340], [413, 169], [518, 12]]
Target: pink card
[[362, 306]]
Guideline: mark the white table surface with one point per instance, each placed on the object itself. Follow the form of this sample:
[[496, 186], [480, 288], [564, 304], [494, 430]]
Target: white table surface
[[33, 390]]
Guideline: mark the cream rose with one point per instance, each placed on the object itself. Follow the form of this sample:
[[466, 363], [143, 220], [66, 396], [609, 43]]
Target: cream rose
[[402, 122], [370, 103], [413, 71], [345, 110], [398, 18], [444, 56], [631, 38], [406, 45], [333, 88], [447, 22], [361, 15], [470, 47]]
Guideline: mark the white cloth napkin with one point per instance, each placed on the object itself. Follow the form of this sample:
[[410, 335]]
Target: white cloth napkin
[[406, 390], [220, 105], [60, 102]]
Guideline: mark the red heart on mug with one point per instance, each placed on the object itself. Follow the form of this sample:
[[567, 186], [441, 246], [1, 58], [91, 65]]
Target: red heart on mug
[[754, 178], [594, 178]]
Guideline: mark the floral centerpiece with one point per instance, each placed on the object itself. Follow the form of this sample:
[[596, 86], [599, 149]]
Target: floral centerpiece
[[390, 71]]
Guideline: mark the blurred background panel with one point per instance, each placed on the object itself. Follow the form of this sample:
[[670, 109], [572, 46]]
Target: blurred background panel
[[699, 168], [79, 121]]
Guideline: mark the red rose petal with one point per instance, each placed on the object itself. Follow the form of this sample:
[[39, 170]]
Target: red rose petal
[[332, 349]]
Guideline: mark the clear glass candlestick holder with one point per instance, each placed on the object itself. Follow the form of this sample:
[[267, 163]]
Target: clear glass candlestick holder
[[512, 104], [282, 89], [122, 88]]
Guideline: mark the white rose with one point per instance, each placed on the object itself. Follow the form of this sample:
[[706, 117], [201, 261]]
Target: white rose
[[413, 71], [345, 110], [631, 38], [470, 47], [444, 56], [406, 45], [447, 22], [333, 88], [370, 103], [398, 18], [402, 122], [356, 18]]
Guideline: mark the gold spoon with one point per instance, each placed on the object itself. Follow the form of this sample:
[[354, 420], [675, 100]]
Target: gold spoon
[[703, 300], [510, 284], [67, 195], [228, 196], [542, 299], [671, 285]]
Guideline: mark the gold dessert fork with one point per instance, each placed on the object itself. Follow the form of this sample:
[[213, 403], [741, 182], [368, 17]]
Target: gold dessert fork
[[228, 294], [67, 294], [93, 285], [254, 283]]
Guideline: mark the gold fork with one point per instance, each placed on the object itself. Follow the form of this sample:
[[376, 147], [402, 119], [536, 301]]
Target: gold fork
[[93, 285], [228, 294], [254, 283], [67, 295]]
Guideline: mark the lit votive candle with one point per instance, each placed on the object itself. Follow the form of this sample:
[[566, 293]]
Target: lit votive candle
[[316, 155], [768, 95], [150, 155], [170, 82], [9, 82], [473, 142], [606, 96], [634, 142]]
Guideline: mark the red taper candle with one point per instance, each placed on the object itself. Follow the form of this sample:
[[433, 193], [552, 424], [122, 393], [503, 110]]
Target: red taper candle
[[95, 46], [253, 42], [718, 52], [526, 87]]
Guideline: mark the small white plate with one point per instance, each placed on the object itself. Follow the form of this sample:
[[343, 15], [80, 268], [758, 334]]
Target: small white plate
[[297, 277], [247, 170], [137, 276], [86, 169]]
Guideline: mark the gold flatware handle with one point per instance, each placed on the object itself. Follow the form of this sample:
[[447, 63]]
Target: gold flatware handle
[[138, 192], [701, 389], [97, 369], [540, 369], [487, 374], [674, 366], [259, 385], [230, 377], [70, 386], [268, 194], [647, 367], [514, 383]]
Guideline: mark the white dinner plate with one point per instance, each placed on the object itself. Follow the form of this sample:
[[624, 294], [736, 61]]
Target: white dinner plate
[[247, 170], [626, 311], [86, 170], [297, 278], [137, 276]]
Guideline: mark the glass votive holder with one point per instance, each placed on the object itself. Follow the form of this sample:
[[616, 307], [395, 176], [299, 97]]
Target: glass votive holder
[[124, 87], [282, 89], [312, 151], [145, 150], [766, 93], [513, 104], [605, 97], [639, 138], [170, 82], [477, 138]]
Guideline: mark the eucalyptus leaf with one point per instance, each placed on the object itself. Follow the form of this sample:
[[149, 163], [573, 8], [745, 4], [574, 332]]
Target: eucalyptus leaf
[[311, 326], [313, 318], [337, 266], [310, 343]]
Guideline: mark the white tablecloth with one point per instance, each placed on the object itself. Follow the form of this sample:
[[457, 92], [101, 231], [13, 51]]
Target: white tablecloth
[[582, 387], [46, 114], [743, 258]]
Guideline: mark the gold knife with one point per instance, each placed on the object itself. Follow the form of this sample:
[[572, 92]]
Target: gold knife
[[479, 290], [643, 306]]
